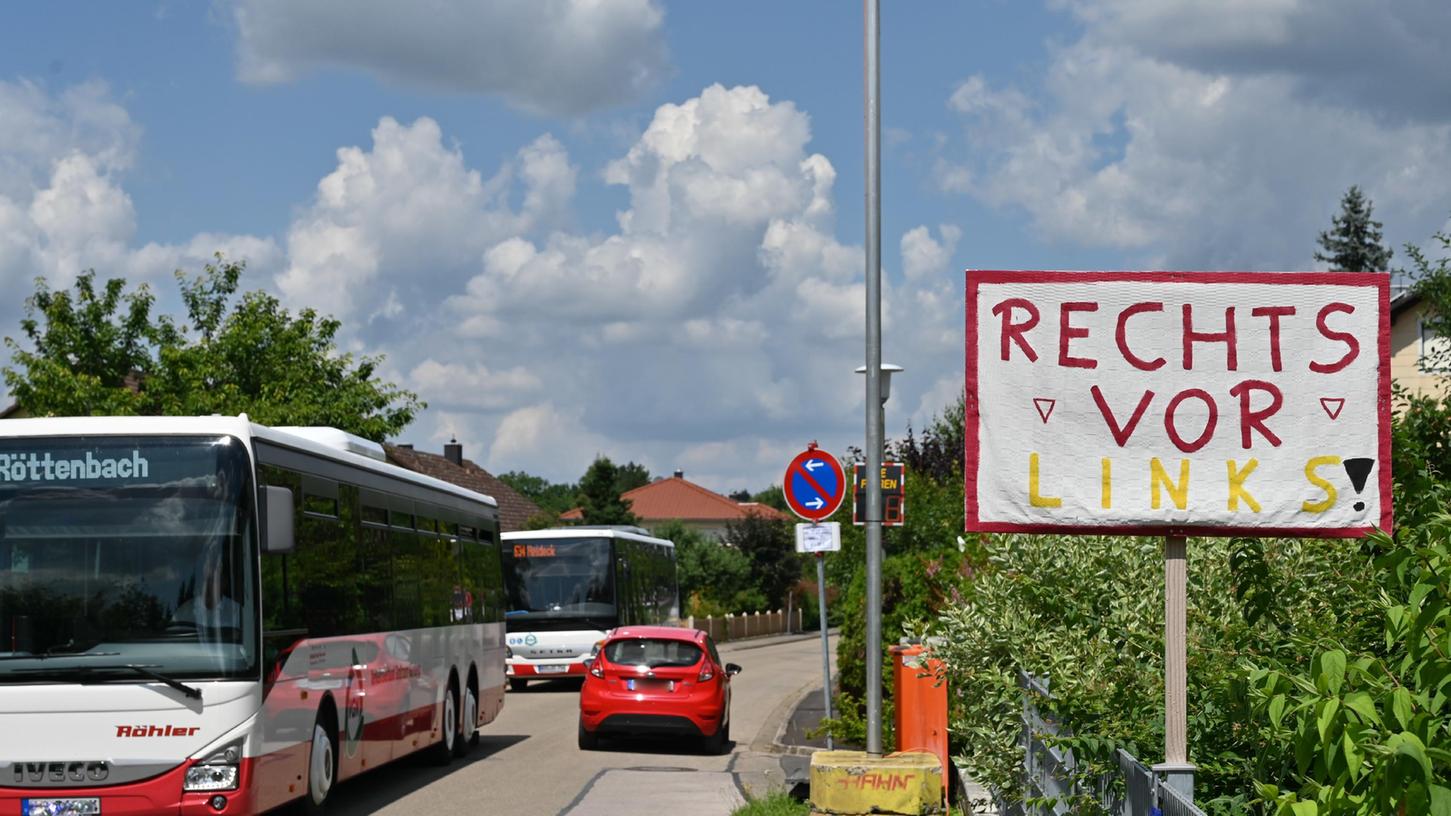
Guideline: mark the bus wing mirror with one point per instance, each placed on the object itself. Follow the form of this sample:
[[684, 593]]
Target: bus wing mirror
[[277, 513]]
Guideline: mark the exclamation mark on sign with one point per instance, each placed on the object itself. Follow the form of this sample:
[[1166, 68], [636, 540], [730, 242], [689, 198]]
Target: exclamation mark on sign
[[1359, 472]]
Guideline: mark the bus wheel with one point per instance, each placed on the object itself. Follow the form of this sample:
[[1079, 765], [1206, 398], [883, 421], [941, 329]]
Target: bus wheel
[[443, 751], [322, 765], [518, 684], [468, 733]]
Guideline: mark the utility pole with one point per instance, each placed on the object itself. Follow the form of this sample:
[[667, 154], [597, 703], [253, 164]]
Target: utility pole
[[873, 519]]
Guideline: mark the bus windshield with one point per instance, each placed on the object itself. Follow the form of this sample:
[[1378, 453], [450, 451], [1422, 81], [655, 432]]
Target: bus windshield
[[126, 552], [559, 578]]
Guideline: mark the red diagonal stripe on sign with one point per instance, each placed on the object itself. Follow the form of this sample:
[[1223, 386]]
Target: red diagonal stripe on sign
[[825, 496]]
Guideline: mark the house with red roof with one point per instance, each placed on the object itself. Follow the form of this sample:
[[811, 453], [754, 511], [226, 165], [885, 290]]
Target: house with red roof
[[676, 499]]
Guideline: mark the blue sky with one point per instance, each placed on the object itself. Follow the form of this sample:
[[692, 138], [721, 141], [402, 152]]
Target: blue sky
[[634, 227]]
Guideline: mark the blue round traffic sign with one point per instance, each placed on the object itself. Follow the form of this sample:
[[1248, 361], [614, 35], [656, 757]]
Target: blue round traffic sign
[[814, 484]]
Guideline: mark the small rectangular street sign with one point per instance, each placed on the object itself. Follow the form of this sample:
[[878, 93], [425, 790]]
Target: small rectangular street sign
[[1178, 403], [817, 538], [894, 494]]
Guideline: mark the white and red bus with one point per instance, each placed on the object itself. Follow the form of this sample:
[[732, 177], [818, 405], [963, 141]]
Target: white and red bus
[[208, 616], [568, 586]]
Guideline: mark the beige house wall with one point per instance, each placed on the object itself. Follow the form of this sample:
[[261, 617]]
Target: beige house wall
[[1406, 354]]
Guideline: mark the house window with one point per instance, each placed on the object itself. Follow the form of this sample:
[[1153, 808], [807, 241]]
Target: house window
[[1435, 352]]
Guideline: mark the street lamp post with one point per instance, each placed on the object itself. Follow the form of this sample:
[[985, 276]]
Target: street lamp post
[[872, 518]]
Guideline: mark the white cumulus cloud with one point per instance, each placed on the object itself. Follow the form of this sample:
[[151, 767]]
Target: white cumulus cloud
[[1193, 134]]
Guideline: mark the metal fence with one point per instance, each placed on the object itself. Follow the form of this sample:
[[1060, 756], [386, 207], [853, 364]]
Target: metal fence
[[1051, 782]]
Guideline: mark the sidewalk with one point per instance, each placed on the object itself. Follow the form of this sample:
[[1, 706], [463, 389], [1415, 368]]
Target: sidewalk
[[755, 769]]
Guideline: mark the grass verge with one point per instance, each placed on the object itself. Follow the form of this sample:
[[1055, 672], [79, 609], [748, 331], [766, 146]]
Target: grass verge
[[778, 803]]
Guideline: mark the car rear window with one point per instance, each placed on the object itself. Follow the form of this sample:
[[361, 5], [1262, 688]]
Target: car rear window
[[653, 653]]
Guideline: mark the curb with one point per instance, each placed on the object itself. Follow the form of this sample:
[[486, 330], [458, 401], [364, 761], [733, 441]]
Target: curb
[[767, 740], [755, 642]]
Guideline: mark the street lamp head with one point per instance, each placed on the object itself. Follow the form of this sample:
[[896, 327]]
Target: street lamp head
[[886, 383]]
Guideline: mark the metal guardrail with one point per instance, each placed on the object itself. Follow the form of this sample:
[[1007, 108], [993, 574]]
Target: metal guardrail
[[1051, 783]]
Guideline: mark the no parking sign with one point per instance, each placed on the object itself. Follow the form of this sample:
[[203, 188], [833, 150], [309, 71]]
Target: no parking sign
[[814, 484]]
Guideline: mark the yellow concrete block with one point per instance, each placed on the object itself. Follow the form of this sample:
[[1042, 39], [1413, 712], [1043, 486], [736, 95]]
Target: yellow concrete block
[[848, 783]]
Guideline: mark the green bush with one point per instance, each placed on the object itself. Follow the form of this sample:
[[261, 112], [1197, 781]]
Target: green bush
[[1087, 614], [1367, 720]]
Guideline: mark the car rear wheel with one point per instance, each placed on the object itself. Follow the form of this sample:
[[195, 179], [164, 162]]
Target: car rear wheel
[[588, 741], [716, 743]]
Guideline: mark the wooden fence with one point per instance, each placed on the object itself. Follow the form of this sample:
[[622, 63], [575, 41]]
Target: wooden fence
[[747, 625]]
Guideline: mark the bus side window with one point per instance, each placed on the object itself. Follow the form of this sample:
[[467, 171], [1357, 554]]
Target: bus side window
[[409, 570], [375, 560], [319, 497]]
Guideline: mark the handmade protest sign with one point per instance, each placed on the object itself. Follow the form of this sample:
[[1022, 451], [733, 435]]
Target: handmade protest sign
[[1178, 403]]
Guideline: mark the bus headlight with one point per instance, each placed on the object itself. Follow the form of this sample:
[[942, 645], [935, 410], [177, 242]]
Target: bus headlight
[[211, 777], [219, 771]]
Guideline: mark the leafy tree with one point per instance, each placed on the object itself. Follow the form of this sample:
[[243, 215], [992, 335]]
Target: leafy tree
[[1353, 243], [772, 496], [770, 547], [938, 455], [552, 498], [714, 579], [599, 498], [739, 495], [630, 476], [101, 351]]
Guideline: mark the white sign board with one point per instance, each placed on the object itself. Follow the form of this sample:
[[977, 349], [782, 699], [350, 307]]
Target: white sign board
[[1178, 403], [816, 538]]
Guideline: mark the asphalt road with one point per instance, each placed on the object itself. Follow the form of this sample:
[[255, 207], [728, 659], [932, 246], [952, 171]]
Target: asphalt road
[[527, 761]]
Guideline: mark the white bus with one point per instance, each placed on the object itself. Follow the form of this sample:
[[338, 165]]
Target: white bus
[[568, 586], [207, 616]]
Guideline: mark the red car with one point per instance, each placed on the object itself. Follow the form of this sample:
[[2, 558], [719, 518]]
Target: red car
[[657, 681]]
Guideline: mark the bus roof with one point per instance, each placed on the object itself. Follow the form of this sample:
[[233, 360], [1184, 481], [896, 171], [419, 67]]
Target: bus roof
[[584, 532], [239, 426]]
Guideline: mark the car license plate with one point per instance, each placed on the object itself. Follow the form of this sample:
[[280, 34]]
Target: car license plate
[[631, 684], [60, 807], [560, 669]]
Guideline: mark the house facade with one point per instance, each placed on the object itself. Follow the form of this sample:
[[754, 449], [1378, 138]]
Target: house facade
[[1414, 349]]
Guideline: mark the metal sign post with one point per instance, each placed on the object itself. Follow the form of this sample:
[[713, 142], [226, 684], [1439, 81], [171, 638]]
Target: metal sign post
[[825, 647], [820, 539]]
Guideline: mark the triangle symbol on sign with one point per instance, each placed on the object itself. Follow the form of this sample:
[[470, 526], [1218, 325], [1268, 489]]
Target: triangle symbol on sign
[[1333, 406], [1045, 407]]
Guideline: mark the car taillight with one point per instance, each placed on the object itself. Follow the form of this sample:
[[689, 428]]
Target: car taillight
[[594, 668], [707, 673]]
